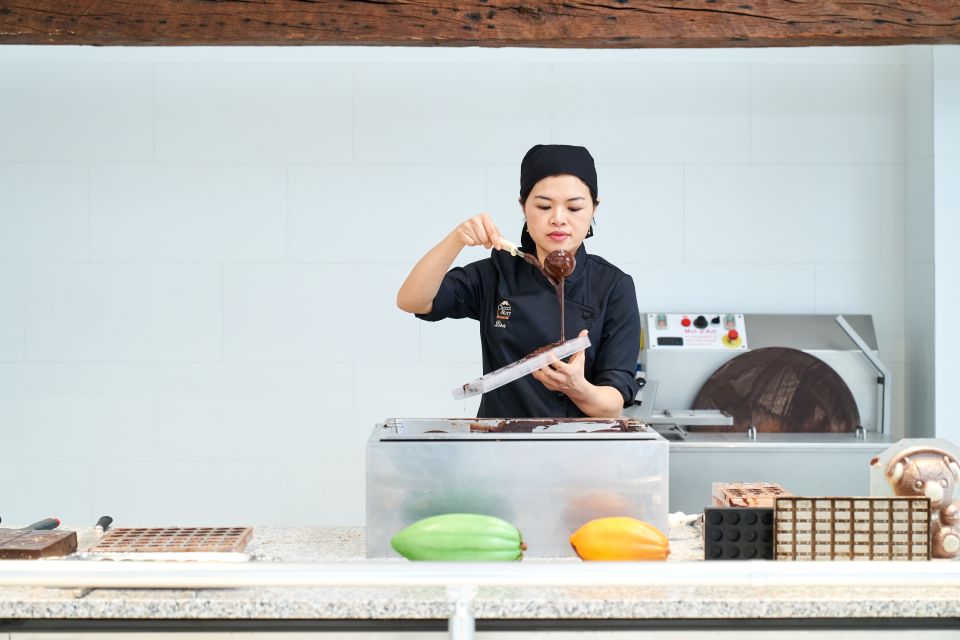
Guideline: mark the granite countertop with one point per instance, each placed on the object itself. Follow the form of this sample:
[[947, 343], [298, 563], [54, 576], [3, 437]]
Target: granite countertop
[[331, 545]]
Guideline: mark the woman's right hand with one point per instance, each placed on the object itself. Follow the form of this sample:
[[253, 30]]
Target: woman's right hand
[[478, 230]]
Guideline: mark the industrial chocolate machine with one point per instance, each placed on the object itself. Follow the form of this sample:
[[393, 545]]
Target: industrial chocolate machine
[[798, 400]]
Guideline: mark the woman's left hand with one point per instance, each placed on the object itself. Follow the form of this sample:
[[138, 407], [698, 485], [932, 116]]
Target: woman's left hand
[[565, 377]]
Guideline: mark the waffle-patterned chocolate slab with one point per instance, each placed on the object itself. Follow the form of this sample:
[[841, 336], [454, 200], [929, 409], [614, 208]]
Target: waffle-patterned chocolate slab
[[747, 494], [174, 540], [852, 528], [18, 544]]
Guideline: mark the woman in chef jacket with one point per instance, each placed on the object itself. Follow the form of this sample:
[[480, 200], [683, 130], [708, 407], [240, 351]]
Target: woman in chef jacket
[[517, 306]]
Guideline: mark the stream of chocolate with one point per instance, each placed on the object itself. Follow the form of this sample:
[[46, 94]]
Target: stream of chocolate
[[556, 267]]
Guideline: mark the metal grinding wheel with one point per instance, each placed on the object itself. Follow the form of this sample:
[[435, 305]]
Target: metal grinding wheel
[[777, 389]]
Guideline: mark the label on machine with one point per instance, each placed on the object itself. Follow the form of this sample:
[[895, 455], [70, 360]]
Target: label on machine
[[717, 331]]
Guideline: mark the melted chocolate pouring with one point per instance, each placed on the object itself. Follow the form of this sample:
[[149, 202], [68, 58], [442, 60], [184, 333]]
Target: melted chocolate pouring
[[557, 266]]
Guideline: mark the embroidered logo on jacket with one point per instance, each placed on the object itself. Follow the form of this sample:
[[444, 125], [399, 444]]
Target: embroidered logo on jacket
[[503, 314]]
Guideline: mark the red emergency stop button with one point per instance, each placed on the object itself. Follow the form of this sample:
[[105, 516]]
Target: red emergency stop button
[[685, 322], [732, 335]]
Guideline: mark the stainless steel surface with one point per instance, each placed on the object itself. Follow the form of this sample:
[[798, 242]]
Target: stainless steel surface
[[884, 382], [807, 332], [689, 417], [547, 483]]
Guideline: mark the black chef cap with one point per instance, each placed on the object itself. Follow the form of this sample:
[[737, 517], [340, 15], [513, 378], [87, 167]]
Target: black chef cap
[[545, 160]]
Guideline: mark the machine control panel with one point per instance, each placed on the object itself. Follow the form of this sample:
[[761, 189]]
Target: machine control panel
[[719, 331]]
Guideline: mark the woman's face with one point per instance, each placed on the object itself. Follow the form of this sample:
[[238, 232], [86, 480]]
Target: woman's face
[[559, 211]]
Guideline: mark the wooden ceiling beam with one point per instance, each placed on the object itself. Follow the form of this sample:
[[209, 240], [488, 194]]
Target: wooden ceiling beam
[[488, 23]]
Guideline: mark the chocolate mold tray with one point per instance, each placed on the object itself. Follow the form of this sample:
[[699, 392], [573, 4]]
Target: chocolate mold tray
[[173, 543], [854, 528], [524, 366]]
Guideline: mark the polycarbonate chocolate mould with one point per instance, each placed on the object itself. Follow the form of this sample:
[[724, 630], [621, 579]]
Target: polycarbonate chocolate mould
[[746, 494], [525, 366], [174, 540], [852, 528], [738, 533]]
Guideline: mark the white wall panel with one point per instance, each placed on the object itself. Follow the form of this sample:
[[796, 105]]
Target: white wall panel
[[827, 113], [231, 411], [450, 113], [123, 312], [44, 212], [188, 213], [659, 113], [378, 214], [783, 214], [11, 312], [77, 111], [749, 288], [254, 112], [78, 412], [308, 313]]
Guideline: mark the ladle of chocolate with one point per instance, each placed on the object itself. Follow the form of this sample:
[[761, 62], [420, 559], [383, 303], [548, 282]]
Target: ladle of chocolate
[[559, 264]]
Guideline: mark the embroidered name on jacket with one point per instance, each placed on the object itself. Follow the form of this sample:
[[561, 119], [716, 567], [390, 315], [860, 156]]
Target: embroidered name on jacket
[[503, 314]]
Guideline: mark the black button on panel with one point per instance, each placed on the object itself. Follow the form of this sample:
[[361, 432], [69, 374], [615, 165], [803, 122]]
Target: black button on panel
[[700, 322]]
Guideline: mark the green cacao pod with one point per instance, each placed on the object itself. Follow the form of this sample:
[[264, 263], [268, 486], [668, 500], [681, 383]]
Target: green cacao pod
[[460, 537]]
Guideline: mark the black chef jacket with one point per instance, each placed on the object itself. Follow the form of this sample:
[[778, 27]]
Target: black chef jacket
[[519, 312]]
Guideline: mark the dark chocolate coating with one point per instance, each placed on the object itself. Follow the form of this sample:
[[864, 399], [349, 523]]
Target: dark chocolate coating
[[559, 264]]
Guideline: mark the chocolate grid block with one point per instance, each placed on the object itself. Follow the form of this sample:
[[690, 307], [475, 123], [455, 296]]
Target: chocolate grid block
[[738, 533], [746, 494], [28, 545], [852, 528], [174, 540]]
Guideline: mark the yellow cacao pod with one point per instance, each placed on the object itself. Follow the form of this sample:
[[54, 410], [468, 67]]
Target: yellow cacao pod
[[620, 539]]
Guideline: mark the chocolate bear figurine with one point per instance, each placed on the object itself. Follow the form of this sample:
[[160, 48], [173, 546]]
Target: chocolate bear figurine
[[933, 473]]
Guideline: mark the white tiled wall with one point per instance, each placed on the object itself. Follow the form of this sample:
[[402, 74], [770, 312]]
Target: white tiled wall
[[918, 241], [200, 248], [946, 162]]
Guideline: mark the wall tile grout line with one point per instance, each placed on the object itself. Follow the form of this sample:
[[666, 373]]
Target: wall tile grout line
[[23, 308], [89, 178], [156, 409], [223, 314], [683, 214], [286, 208], [156, 97], [553, 103], [353, 113], [750, 114]]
